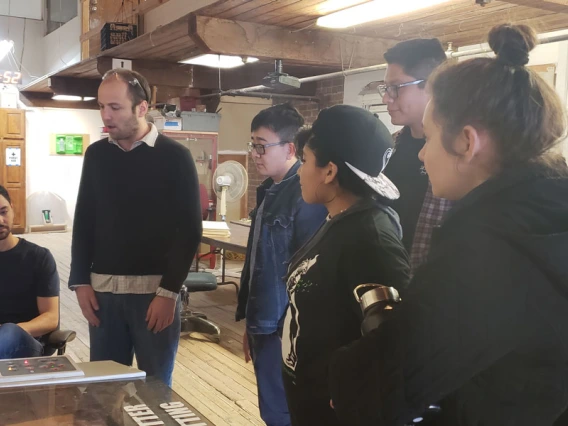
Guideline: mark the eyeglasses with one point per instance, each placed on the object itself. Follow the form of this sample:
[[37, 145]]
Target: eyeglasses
[[261, 149], [392, 90]]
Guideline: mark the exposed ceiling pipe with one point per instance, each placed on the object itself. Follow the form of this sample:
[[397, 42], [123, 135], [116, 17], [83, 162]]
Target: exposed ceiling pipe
[[542, 40], [237, 92], [260, 95]]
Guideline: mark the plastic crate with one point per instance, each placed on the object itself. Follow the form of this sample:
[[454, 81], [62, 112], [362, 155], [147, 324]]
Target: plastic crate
[[116, 33]]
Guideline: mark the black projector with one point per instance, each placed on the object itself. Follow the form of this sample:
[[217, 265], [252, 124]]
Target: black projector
[[281, 81]]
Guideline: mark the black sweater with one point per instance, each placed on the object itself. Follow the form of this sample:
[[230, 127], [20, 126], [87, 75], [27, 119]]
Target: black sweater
[[407, 172], [483, 327], [137, 213]]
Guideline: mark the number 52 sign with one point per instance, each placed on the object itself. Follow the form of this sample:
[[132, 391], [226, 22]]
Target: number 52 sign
[[10, 77]]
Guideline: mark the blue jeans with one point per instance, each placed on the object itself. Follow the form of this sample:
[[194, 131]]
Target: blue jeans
[[123, 331], [15, 342], [266, 353]]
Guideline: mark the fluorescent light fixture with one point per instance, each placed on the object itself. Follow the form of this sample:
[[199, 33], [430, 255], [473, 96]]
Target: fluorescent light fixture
[[333, 5], [66, 98], [6, 47], [373, 11], [219, 61], [88, 98]]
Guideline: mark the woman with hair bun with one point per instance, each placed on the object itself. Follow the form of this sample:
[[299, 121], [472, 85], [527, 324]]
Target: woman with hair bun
[[482, 330]]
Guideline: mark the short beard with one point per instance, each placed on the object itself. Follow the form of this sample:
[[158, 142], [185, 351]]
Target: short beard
[[7, 231]]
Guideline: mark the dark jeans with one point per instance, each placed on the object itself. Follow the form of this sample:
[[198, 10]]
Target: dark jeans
[[15, 342], [124, 332], [266, 353]]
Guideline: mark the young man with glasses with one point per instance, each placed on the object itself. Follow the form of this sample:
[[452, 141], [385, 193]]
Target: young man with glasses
[[136, 230], [281, 223], [410, 63]]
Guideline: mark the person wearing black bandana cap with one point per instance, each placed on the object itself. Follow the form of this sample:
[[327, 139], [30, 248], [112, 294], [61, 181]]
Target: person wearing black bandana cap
[[343, 156]]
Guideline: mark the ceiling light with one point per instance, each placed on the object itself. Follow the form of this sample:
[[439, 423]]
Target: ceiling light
[[66, 98], [219, 61], [373, 11], [6, 46], [333, 5], [88, 98]]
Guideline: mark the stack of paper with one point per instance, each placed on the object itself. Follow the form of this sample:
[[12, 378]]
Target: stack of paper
[[216, 229]]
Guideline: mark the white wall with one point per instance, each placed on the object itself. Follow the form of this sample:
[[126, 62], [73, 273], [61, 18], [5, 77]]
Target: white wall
[[171, 11], [544, 54], [28, 54], [237, 113], [31, 9], [57, 174], [355, 83], [62, 47]]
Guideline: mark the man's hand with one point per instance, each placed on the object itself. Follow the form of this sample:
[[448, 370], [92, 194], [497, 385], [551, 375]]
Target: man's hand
[[88, 303], [160, 313], [246, 348]]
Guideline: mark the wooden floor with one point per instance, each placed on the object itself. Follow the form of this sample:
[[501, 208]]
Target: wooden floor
[[213, 377]]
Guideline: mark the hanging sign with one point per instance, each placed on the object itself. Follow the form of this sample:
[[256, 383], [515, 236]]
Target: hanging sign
[[13, 156]]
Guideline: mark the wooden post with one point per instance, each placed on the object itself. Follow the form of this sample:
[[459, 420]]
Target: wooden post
[[154, 96]]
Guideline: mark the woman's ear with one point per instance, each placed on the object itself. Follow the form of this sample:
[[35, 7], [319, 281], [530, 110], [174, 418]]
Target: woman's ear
[[330, 173], [469, 143]]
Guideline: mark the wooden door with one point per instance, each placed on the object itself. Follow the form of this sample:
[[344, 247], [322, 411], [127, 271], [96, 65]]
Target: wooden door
[[12, 123], [13, 163]]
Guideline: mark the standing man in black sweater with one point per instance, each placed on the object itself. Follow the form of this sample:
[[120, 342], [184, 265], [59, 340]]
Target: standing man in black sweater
[[410, 63], [136, 230]]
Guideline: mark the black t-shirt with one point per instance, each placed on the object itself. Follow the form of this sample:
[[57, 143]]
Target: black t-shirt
[[27, 272], [407, 172], [356, 247]]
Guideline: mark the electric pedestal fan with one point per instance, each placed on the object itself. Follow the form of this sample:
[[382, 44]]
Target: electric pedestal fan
[[230, 182]]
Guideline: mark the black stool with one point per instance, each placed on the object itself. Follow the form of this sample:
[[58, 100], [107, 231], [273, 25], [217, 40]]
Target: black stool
[[196, 321]]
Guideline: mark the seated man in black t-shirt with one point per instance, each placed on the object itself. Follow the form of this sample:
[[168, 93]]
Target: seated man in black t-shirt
[[29, 290]]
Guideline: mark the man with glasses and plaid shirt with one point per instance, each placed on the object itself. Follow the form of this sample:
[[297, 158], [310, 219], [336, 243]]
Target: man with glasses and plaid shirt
[[136, 230], [281, 223], [410, 63]]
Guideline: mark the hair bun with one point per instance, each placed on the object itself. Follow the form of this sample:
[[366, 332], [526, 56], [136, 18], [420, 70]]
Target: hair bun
[[512, 43]]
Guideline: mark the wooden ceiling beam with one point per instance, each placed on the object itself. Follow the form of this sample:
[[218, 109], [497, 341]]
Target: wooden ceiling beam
[[313, 47], [43, 100], [74, 86], [157, 73], [557, 6]]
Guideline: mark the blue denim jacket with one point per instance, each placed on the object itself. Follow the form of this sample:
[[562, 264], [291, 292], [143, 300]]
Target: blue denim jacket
[[287, 223]]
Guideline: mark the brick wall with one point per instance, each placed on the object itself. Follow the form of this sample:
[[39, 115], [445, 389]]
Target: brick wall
[[255, 179], [330, 92]]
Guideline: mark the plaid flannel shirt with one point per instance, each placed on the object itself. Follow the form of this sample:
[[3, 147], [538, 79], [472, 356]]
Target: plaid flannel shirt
[[431, 215]]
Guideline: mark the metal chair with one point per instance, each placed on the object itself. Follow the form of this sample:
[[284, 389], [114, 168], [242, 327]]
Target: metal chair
[[192, 321], [57, 340]]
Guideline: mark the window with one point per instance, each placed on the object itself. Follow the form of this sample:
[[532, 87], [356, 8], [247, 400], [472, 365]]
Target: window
[[60, 12]]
